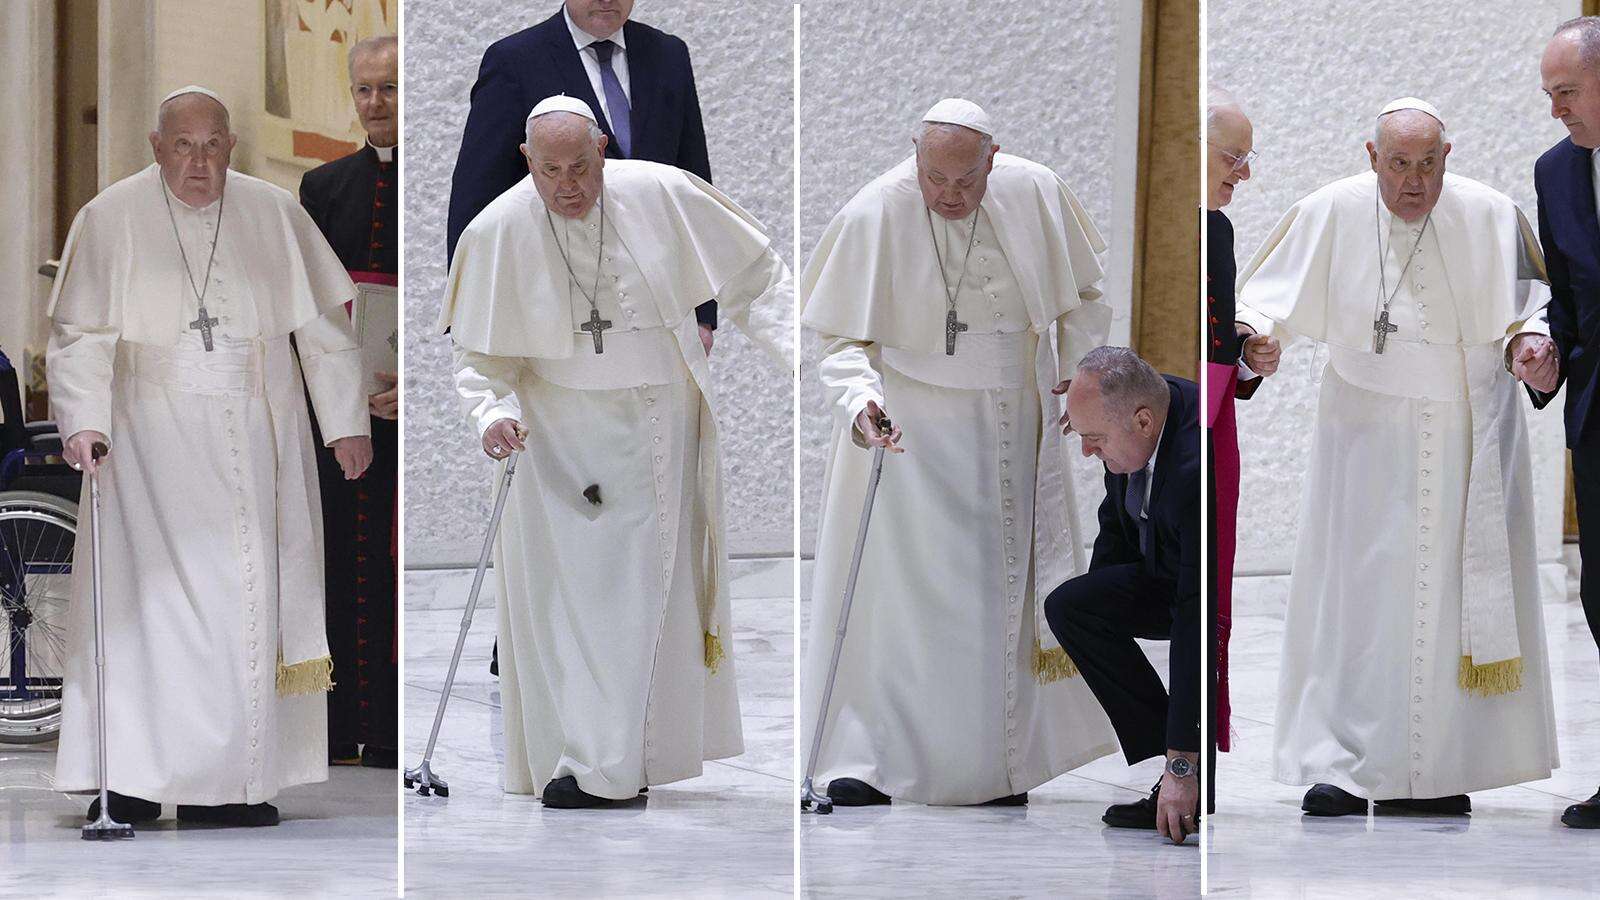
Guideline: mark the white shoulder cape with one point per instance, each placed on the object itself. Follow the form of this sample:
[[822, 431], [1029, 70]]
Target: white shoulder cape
[[121, 268], [1486, 242], [507, 290], [874, 276]]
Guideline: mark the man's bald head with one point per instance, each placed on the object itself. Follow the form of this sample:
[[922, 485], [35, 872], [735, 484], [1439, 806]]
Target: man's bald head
[[1230, 141], [953, 165], [193, 144], [566, 155]]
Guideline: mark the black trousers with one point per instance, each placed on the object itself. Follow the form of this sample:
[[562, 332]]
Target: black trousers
[[1097, 617], [1586, 485]]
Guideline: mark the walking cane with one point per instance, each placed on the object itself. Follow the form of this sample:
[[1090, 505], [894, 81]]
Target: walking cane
[[808, 791], [103, 828], [422, 777]]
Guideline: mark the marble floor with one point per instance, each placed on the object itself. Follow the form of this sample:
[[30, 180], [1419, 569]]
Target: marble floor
[[727, 833], [1056, 846], [337, 839], [1512, 846]]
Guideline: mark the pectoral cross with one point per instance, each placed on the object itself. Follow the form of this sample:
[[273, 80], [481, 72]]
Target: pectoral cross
[[204, 324], [1381, 329], [594, 326], [952, 327]]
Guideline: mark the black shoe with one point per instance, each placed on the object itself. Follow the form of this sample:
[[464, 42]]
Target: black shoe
[[236, 815], [1578, 815], [125, 809], [344, 754], [1141, 813], [564, 793], [1013, 800], [1458, 805], [379, 757], [1327, 800], [855, 792]]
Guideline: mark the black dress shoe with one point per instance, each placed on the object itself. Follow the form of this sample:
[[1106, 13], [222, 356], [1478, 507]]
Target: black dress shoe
[[855, 792], [1327, 800], [1458, 805], [1141, 813], [564, 793], [379, 757], [1578, 815], [125, 809], [234, 815], [1013, 800], [344, 754]]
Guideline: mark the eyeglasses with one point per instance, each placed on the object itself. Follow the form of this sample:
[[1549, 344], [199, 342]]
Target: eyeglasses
[[1239, 162]]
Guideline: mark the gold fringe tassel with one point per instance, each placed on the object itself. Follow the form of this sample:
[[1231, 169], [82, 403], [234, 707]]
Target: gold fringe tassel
[[714, 653], [1052, 665], [313, 676], [1491, 679]]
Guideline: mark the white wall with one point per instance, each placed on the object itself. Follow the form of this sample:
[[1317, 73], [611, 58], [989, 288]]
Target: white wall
[[742, 61], [1047, 73], [27, 142], [1312, 79]]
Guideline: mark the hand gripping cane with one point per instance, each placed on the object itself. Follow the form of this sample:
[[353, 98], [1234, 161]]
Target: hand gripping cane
[[422, 777], [105, 827], [808, 792]]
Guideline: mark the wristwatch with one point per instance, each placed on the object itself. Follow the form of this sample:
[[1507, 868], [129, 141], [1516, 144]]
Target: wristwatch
[[1179, 767]]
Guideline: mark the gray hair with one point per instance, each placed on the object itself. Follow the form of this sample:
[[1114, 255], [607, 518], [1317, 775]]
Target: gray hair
[[371, 45], [161, 112], [927, 128], [594, 128], [1126, 381], [1377, 130], [1587, 31]]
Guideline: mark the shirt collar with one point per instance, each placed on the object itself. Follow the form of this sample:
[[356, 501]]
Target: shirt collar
[[582, 39], [385, 154]]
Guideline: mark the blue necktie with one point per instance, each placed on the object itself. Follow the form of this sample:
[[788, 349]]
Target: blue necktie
[[616, 100], [1133, 502]]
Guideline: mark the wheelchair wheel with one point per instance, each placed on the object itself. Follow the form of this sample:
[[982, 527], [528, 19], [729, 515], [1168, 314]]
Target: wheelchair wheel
[[37, 532]]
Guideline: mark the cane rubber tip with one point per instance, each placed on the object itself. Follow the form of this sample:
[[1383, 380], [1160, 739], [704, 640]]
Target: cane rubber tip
[[442, 791]]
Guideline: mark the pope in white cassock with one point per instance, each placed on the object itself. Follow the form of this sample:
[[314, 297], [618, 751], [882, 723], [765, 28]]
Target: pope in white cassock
[[571, 304], [954, 294], [179, 289], [1414, 667]]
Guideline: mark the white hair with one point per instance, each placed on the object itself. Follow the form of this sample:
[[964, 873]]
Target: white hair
[[1219, 101], [161, 112], [375, 44], [927, 128], [594, 128], [1377, 130]]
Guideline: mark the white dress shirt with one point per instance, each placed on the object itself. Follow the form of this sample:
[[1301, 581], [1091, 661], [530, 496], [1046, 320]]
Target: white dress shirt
[[584, 41]]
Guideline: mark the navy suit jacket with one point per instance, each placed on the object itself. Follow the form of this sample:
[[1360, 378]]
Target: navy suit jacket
[[519, 71], [1570, 235], [1174, 516]]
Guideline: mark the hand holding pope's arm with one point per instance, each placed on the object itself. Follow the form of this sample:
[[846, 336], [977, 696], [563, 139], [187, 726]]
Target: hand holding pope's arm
[[1534, 361]]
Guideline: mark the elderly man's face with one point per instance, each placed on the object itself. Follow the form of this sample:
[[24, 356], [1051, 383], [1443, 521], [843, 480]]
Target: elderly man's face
[[1409, 161], [1574, 91], [567, 164], [1123, 441], [375, 85], [601, 18], [1229, 141], [193, 148], [953, 170]]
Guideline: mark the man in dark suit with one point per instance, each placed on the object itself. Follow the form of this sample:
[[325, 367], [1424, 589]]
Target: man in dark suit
[[355, 203], [1565, 348], [637, 80], [1144, 578]]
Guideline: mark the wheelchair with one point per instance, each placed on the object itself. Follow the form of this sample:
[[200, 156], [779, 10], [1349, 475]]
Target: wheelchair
[[38, 527]]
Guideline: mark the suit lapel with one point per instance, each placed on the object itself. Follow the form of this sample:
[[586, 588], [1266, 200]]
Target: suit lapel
[[574, 78], [1581, 177], [643, 79]]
